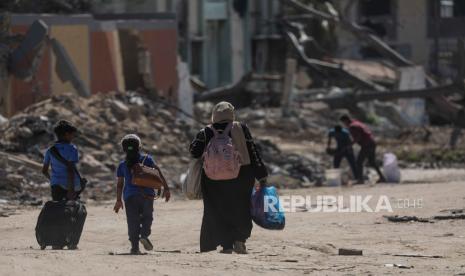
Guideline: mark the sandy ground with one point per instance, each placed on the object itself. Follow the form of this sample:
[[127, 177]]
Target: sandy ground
[[308, 245]]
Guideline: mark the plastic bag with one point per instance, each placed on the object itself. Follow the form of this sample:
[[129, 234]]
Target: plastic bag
[[391, 168], [191, 186], [266, 210]]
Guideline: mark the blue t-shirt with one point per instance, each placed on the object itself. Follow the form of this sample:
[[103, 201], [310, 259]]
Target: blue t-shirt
[[343, 138], [129, 188], [59, 174]]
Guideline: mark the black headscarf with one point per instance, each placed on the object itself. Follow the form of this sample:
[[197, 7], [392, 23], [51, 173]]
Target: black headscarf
[[131, 146]]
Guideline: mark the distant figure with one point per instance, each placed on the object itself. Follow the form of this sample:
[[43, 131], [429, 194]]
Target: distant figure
[[65, 181], [227, 219], [137, 201], [362, 135], [344, 148]]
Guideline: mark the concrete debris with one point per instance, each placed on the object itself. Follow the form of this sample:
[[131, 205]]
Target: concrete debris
[[397, 218], [462, 216], [120, 110], [3, 120], [398, 266], [350, 252], [418, 256], [451, 216], [102, 120], [289, 170]]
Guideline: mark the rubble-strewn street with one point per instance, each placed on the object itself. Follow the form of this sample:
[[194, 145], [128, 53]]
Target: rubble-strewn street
[[308, 246], [355, 107]]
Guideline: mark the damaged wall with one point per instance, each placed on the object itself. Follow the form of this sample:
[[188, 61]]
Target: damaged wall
[[107, 73], [75, 39], [412, 30], [96, 52], [24, 93]]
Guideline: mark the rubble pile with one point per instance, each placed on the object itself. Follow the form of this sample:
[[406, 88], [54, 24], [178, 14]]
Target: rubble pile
[[102, 121], [20, 178], [289, 170]]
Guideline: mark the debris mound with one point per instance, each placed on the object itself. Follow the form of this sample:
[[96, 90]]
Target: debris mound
[[103, 120]]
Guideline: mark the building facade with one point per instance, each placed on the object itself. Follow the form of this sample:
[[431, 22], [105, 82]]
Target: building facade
[[221, 40], [105, 52], [424, 31]]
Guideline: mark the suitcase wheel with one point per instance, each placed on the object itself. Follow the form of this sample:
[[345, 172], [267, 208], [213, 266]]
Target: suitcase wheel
[[42, 247]]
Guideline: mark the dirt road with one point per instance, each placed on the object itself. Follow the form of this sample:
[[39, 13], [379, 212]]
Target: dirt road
[[308, 245]]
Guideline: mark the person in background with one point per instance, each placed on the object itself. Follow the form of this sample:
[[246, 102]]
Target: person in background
[[344, 148], [64, 180], [137, 201], [226, 217], [362, 135]]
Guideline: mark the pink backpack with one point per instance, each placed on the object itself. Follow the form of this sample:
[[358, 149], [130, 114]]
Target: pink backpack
[[221, 160]]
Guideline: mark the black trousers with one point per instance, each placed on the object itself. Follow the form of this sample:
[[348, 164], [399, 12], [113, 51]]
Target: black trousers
[[349, 155], [367, 152], [139, 215], [58, 193]]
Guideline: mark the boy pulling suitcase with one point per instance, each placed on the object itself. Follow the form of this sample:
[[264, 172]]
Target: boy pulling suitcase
[[61, 221], [63, 156]]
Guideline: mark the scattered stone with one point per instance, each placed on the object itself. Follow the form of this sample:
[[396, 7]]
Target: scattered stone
[[289, 170], [418, 256], [461, 216], [397, 218], [3, 120], [399, 266], [90, 165], [350, 252], [120, 110]]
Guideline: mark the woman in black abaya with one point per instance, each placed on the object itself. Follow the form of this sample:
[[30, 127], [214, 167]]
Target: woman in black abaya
[[226, 217]]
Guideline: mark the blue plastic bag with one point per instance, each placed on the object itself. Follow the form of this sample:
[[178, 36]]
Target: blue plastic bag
[[273, 217]]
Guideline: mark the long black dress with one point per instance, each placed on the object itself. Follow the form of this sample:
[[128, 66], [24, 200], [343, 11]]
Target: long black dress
[[226, 216]]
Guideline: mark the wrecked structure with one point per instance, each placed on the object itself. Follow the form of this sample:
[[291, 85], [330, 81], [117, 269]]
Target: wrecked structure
[[381, 78], [423, 31], [98, 54], [409, 77]]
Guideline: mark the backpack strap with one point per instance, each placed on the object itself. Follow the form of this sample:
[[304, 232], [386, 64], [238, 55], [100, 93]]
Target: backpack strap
[[141, 190], [55, 153], [70, 165], [227, 130], [215, 132], [143, 161]]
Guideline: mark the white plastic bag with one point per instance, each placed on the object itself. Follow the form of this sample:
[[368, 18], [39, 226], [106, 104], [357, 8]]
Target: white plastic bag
[[391, 168], [191, 186]]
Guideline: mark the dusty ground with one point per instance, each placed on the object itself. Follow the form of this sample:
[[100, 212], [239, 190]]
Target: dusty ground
[[308, 245]]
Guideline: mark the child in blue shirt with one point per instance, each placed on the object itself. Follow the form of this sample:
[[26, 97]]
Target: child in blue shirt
[[344, 148], [138, 201], [64, 180]]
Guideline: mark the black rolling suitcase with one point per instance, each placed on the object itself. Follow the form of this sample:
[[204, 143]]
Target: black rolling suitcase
[[60, 224]]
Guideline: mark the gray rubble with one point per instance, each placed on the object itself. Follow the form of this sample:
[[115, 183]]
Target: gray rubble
[[103, 120]]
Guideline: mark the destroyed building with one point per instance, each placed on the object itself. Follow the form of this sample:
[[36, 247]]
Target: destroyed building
[[423, 31], [105, 53], [221, 40]]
